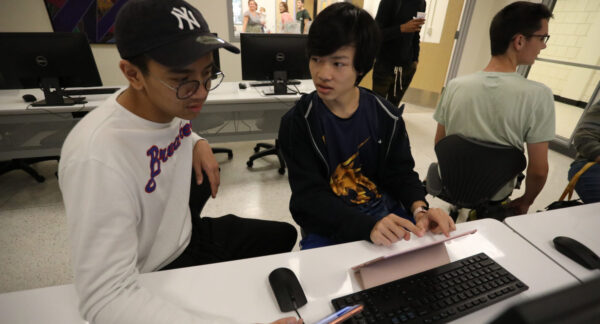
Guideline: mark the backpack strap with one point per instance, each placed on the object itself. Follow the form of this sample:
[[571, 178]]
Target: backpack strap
[[573, 182]]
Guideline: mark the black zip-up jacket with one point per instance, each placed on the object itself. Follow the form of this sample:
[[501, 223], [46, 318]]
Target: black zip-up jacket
[[313, 204], [398, 48]]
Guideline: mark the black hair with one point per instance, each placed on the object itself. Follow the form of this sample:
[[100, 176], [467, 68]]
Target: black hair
[[519, 17], [343, 24]]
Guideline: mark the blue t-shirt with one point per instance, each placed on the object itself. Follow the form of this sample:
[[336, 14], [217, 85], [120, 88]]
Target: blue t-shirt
[[352, 151]]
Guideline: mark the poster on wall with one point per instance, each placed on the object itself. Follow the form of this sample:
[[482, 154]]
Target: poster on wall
[[95, 18]]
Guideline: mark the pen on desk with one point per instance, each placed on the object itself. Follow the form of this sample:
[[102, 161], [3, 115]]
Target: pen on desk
[[338, 314], [335, 315]]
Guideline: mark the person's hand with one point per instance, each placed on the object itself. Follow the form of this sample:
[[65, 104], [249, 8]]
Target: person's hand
[[393, 228], [288, 320], [519, 206], [412, 25], [203, 159], [435, 220]]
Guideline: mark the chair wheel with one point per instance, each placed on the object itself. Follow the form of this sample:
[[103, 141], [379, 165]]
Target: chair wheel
[[281, 171], [249, 163], [256, 149], [229, 155]]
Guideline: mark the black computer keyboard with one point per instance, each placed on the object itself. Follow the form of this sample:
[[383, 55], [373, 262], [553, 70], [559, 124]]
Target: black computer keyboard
[[438, 295], [270, 83], [89, 91]]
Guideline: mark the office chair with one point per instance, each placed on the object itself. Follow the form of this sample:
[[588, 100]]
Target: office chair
[[268, 122], [52, 141], [209, 121], [24, 164], [472, 171], [270, 150]]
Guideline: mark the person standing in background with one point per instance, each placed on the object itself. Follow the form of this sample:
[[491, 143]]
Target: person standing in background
[[396, 62], [253, 22], [286, 18], [302, 16], [263, 19]]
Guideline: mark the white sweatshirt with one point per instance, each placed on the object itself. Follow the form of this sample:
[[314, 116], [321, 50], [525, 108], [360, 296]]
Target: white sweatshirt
[[125, 183]]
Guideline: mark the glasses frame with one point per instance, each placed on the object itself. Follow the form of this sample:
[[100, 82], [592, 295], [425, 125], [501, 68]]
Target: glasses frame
[[544, 38], [207, 83]]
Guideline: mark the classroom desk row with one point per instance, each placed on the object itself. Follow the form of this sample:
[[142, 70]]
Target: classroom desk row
[[240, 289], [229, 114]]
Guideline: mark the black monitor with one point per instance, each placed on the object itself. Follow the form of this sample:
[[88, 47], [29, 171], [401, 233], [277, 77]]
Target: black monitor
[[579, 304], [274, 57], [50, 61]]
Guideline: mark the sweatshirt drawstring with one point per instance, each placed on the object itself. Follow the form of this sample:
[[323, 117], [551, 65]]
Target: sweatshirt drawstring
[[397, 79]]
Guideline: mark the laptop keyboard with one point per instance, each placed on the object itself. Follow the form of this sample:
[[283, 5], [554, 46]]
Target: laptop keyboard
[[437, 295]]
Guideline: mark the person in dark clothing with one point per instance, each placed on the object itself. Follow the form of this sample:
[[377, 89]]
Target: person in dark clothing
[[347, 150], [397, 59], [302, 16]]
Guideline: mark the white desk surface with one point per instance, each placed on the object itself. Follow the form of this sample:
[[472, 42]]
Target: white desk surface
[[11, 101], [240, 289], [581, 223]]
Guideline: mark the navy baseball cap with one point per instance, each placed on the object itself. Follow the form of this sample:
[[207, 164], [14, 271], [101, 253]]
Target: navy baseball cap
[[171, 32]]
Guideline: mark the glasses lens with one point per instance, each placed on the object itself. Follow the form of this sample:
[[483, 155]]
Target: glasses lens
[[187, 89], [214, 81]]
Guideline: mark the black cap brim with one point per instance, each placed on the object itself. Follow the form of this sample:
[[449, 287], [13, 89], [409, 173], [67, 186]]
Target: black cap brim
[[189, 49]]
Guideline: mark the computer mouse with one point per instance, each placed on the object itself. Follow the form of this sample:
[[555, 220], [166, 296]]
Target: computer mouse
[[242, 85], [287, 289], [29, 98], [577, 252]]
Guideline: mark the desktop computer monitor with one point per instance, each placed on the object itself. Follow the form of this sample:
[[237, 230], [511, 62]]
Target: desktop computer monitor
[[50, 61], [274, 57]]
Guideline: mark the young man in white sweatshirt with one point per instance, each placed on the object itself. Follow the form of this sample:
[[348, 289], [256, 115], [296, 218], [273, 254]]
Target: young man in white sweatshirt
[[126, 169]]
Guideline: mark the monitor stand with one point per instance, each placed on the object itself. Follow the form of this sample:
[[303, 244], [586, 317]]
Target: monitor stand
[[280, 85], [55, 98]]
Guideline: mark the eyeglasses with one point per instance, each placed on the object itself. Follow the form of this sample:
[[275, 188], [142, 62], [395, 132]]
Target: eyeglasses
[[543, 38], [188, 88]]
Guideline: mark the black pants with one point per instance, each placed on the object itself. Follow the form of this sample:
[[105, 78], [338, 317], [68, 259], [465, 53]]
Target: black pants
[[229, 237], [392, 84]]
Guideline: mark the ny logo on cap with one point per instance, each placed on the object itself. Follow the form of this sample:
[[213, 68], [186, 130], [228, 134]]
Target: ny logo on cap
[[184, 14]]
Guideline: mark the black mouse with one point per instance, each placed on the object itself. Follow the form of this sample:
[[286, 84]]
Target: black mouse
[[242, 85], [29, 98], [287, 289], [577, 252]]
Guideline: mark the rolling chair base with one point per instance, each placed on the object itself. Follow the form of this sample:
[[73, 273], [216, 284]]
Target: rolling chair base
[[270, 149], [223, 150], [24, 164]]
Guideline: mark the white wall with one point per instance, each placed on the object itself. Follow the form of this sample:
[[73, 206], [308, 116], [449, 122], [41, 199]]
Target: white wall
[[477, 53], [31, 16]]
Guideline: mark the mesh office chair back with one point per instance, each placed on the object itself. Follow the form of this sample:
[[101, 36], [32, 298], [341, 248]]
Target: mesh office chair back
[[472, 171]]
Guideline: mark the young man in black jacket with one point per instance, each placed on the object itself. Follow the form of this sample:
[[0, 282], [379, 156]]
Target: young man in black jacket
[[397, 60], [347, 150]]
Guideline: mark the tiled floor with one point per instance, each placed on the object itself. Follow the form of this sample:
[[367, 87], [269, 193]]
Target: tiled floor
[[33, 234]]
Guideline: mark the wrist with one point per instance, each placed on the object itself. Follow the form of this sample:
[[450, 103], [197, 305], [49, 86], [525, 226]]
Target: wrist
[[420, 210]]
